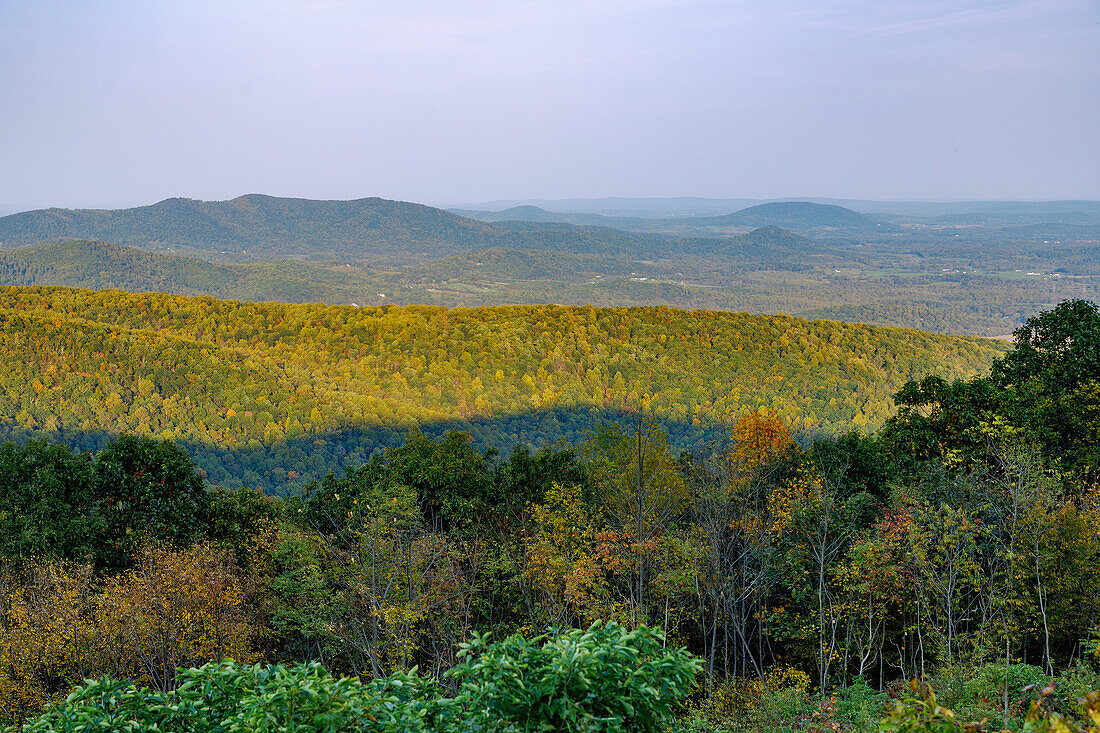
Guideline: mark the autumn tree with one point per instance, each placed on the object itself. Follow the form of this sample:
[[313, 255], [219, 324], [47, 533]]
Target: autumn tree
[[49, 635], [562, 566], [390, 572], [730, 509], [635, 475], [173, 609]]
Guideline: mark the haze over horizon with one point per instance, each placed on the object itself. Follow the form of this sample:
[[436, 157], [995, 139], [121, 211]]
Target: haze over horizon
[[123, 104]]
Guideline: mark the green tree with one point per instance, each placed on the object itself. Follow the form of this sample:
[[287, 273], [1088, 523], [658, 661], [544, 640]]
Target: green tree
[[147, 490], [48, 502]]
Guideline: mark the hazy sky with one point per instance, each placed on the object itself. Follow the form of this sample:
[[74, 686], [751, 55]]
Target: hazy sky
[[113, 103]]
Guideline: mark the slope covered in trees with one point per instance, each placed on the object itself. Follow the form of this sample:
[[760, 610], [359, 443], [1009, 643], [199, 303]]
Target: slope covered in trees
[[274, 395], [815, 586], [102, 265], [765, 271]]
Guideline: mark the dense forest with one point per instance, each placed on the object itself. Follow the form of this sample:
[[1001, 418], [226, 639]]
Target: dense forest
[[274, 396], [814, 585]]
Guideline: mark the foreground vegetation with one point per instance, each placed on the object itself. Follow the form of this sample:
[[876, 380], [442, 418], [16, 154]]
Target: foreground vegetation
[[811, 581], [591, 680]]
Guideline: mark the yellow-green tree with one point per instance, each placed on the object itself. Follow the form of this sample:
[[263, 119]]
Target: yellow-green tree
[[175, 608], [49, 636], [642, 494]]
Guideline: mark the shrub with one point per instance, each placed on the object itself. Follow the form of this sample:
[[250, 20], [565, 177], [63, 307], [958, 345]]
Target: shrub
[[859, 707], [228, 698], [921, 712], [986, 691], [601, 679], [605, 678]]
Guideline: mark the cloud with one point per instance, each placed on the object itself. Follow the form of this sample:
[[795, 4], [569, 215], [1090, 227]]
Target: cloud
[[947, 16]]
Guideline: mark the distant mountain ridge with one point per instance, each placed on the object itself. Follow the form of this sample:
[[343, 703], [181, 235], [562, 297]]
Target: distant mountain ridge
[[801, 216], [701, 206], [537, 214], [623, 206], [243, 222], [257, 227], [792, 256]]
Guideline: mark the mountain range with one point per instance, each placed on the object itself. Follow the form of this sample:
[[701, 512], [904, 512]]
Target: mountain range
[[257, 227], [800, 216], [959, 275]]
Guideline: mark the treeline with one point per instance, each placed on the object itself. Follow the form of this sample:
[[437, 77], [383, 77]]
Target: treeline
[[960, 541], [274, 396]]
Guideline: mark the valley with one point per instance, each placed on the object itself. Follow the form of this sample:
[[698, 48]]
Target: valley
[[980, 273]]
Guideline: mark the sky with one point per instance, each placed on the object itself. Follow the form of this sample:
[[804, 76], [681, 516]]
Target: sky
[[111, 103]]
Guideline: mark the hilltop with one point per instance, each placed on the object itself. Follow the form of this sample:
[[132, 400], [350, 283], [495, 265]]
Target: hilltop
[[796, 215]]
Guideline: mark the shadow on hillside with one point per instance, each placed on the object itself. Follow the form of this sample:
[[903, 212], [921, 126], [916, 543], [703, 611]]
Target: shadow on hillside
[[285, 466]]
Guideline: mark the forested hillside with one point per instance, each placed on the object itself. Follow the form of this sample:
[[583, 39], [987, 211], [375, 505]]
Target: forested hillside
[[274, 395], [802, 215], [754, 584], [102, 265]]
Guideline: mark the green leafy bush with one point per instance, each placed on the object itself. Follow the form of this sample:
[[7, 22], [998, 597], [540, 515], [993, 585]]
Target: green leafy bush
[[228, 698], [605, 678], [858, 706], [921, 712]]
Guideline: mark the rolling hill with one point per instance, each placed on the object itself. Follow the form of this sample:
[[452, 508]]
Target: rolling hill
[[98, 265], [102, 265], [274, 395], [799, 216], [255, 227], [523, 213], [508, 265], [770, 245]]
